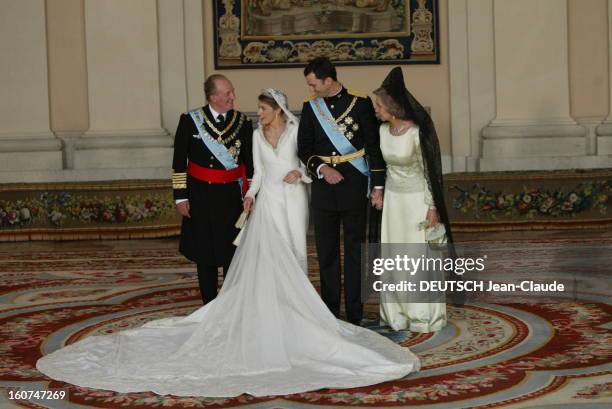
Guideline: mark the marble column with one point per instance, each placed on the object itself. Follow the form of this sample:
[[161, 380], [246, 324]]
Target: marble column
[[181, 55], [67, 73], [198, 24], [123, 88], [604, 130], [472, 75], [589, 87], [532, 128], [26, 141], [172, 61]]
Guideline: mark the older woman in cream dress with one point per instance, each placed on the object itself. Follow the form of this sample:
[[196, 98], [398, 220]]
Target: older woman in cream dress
[[410, 202]]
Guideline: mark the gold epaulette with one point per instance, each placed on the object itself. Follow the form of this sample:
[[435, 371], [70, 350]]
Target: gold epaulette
[[357, 93], [179, 180], [309, 98]]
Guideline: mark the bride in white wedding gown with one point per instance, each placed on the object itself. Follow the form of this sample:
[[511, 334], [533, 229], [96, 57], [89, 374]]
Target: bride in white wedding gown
[[267, 332]]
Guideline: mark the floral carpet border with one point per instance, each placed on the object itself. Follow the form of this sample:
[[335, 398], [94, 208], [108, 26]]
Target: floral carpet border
[[529, 200], [488, 201], [89, 210]]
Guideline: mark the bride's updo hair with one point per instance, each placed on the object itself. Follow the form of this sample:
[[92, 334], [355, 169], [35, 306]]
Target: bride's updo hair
[[270, 101]]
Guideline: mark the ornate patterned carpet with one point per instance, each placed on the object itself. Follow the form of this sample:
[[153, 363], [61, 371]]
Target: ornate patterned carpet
[[513, 356]]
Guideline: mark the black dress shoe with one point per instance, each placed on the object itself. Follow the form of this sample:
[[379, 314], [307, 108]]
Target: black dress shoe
[[358, 323]]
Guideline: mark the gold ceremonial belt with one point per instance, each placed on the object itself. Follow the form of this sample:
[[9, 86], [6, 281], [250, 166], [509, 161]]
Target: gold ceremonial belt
[[342, 158]]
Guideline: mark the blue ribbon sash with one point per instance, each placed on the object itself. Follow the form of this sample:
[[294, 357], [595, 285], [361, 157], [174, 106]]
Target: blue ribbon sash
[[218, 149], [337, 138]]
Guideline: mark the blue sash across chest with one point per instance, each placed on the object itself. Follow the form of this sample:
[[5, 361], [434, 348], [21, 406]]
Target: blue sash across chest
[[336, 136], [218, 149]]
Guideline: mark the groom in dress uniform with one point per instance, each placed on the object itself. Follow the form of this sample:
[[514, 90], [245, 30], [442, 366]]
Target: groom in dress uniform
[[338, 132], [212, 160]]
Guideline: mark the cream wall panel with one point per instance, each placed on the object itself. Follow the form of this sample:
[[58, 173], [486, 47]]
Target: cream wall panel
[[67, 66], [196, 25], [472, 74], [604, 130], [531, 59], [172, 61], [588, 57], [24, 106], [517, 69], [123, 66]]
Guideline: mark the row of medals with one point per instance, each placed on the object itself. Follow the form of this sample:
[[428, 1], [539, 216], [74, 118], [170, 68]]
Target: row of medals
[[347, 126]]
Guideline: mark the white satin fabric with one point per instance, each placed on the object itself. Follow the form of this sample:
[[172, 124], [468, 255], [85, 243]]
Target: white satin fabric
[[406, 202], [266, 333], [288, 203]]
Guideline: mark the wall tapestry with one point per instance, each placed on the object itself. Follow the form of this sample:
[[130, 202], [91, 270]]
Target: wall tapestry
[[289, 33]]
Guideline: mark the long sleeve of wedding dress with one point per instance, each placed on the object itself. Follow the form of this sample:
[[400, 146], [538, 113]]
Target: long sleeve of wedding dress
[[258, 169], [267, 333]]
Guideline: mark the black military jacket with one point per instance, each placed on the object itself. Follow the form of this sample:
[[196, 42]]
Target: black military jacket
[[356, 114], [236, 136]]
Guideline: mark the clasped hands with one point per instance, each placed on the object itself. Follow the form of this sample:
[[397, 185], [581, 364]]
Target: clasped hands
[[377, 198]]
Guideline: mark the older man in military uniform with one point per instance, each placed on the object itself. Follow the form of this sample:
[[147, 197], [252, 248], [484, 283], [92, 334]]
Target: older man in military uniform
[[338, 130], [212, 160]]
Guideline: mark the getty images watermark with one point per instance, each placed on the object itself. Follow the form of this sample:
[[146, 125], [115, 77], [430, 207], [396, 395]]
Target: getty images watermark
[[478, 272]]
